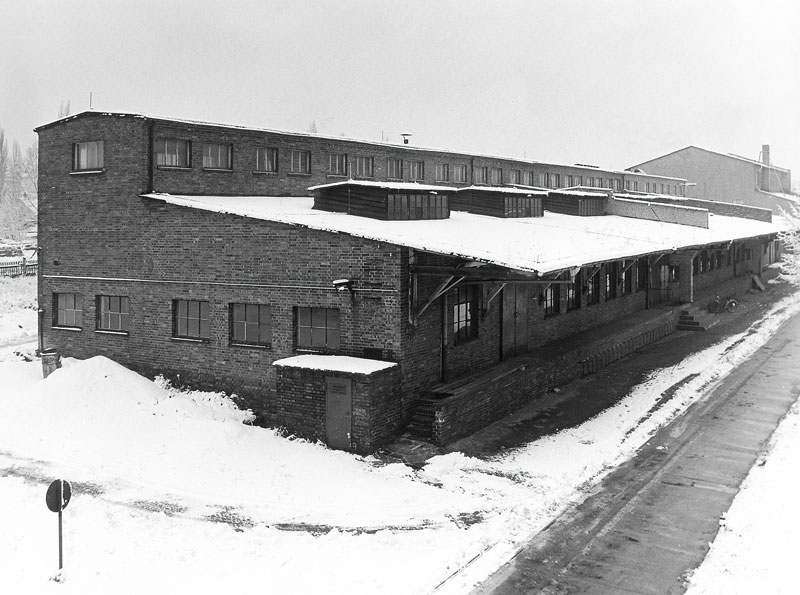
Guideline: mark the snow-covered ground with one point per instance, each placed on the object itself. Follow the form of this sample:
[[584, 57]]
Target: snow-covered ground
[[173, 493]]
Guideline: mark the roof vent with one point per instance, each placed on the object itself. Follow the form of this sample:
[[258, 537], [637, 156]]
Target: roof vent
[[765, 154], [406, 136]]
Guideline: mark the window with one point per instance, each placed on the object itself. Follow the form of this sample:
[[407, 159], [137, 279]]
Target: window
[[364, 167], [543, 180], [416, 170], [218, 156], [482, 175], [337, 164], [496, 176], [573, 293], [593, 288], [642, 270], [513, 176], [173, 152], [612, 275], [442, 172], [460, 174], [113, 313], [617, 185], [627, 184], [404, 207], [552, 300], [87, 156], [301, 162], [394, 168], [465, 313], [67, 310], [674, 273], [317, 328], [635, 186], [251, 324], [190, 319], [267, 160], [528, 180]]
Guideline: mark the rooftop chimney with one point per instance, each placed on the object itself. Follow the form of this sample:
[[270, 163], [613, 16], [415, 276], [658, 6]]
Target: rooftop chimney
[[765, 154], [764, 181]]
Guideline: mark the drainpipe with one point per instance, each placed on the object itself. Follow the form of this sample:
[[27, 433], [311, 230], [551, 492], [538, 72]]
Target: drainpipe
[[150, 163]]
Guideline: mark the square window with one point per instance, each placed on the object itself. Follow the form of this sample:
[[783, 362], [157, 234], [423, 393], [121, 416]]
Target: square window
[[337, 164], [251, 324], [364, 167], [87, 156], [318, 328], [301, 162], [67, 310], [218, 156], [113, 313], [267, 159], [190, 319], [172, 152]]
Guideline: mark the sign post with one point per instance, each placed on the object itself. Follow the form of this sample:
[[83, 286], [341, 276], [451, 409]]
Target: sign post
[[58, 495]]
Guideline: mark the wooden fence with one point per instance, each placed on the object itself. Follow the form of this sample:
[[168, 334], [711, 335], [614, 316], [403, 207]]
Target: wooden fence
[[19, 269]]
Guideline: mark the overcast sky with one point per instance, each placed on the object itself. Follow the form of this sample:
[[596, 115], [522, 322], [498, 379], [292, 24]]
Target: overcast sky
[[607, 82]]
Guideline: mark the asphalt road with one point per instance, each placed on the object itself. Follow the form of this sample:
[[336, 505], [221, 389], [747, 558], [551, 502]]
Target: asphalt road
[[651, 521]]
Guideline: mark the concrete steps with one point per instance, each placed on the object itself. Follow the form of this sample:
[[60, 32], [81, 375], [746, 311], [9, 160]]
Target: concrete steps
[[695, 318], [421, 425]]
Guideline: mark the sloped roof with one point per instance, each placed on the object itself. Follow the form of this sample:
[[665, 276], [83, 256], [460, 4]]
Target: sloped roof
[[542, 244], [727, 155]]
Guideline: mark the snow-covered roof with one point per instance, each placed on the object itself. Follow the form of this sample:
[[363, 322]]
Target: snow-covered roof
[[405, 186], [794, 198], [335, 363], [728, 155], [543, 244]]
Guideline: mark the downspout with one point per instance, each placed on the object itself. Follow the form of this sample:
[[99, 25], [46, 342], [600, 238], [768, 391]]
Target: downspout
[[150, 172]]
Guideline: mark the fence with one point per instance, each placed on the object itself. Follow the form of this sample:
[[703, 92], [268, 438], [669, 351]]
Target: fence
[[19, 269]]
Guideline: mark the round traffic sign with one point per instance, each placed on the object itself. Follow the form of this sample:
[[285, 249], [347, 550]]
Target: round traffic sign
[[58, 495]]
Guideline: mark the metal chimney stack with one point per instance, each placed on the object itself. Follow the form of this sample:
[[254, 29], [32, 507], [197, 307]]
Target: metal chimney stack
[[765, 154], [765, 170]]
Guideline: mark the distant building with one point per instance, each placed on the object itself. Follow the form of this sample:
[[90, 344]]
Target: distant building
[[727, 178], [346, 289]]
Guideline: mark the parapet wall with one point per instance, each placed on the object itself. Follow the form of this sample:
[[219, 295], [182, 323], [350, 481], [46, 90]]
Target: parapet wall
[[653, 211]]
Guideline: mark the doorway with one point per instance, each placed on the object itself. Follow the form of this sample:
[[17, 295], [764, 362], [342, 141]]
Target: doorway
[[515, 320]]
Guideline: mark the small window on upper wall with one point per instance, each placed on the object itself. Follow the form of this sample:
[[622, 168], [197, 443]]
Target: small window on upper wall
[[172, 152], [529, 179], [87, 156], [513, 176], [267, 160], [496, 174], [217, 156], [442, 172], [301, 162], [394, 168], [113, 313], [337, 164], [364, 167], [481, 174], [460, 174], [67, 310]]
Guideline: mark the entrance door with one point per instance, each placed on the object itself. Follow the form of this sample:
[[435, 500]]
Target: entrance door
[[338, 397], [515, 320]]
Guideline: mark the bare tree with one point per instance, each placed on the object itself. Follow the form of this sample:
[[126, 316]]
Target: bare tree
[[790, 246], [312, 127], [3, 161], [63, 110], [30, 169]]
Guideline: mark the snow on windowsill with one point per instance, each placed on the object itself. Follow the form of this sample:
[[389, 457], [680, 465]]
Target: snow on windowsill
[[335, 363]]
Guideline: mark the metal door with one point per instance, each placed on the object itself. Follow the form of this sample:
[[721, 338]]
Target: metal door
[[515, 320], [339, 405]]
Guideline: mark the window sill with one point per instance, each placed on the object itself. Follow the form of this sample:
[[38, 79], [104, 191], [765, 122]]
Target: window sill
[[74, 329], [252, 346], [188, 340], [312, 351], [257, 172], [218, 170], [109, 332], [342, 176], [174, 167], [298, 173], [85, 172]]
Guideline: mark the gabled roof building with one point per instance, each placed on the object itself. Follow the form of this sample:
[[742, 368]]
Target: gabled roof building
[[728, 178], [348, 289]]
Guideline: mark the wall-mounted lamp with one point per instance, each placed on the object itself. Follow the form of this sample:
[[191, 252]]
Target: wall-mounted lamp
[[342, 284]]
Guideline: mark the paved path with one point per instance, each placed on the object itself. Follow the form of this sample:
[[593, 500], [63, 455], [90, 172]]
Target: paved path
[[651, 521]]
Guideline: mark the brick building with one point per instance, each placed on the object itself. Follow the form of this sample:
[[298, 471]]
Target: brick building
[[728, 178], [344, 287]]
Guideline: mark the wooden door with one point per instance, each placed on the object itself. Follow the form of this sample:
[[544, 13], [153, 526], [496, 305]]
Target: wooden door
[[339, 407], [515, 320]]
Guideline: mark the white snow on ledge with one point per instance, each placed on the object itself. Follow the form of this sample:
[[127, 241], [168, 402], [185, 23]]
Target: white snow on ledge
[[335, 363]]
